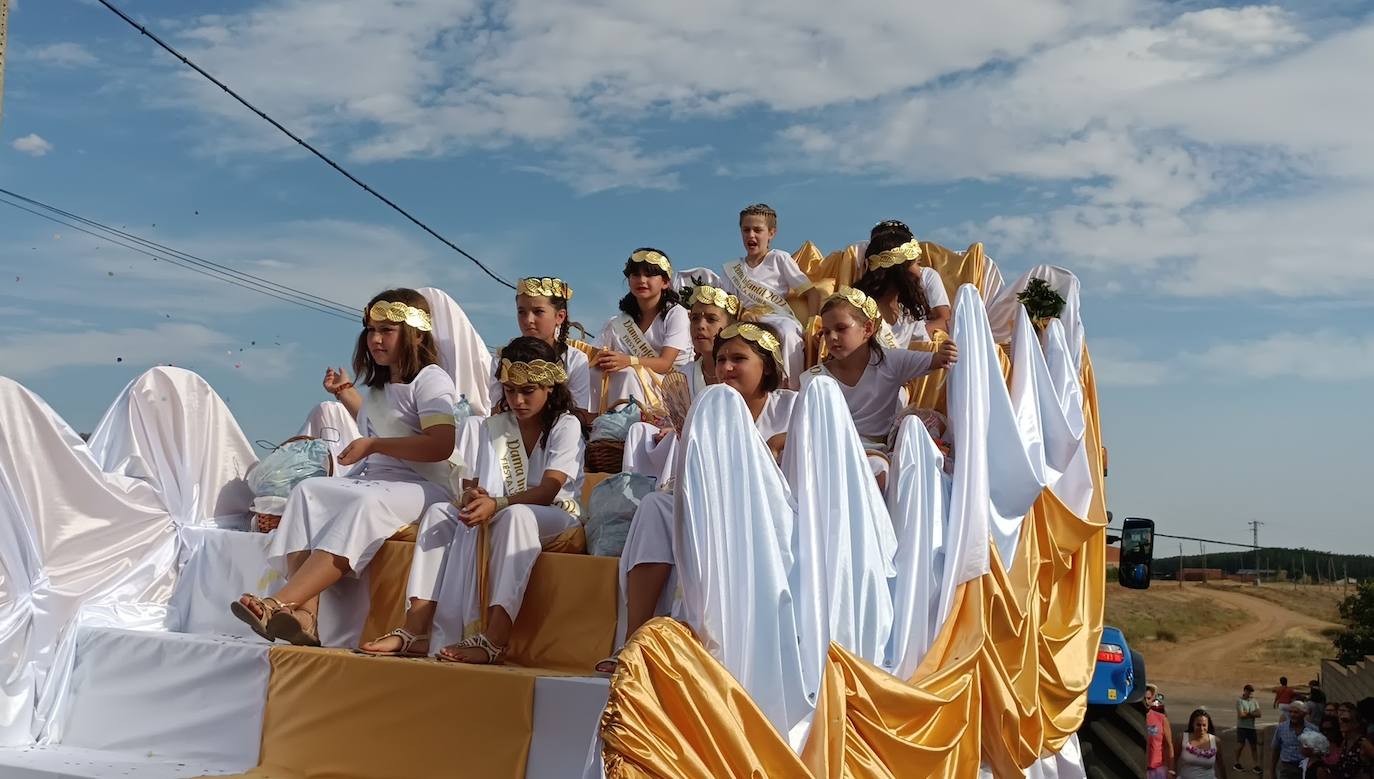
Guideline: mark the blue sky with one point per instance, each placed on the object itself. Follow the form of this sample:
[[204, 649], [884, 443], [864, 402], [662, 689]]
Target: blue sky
[[1206, 169]]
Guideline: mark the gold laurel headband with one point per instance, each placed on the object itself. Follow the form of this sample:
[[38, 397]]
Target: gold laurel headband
[[541, 372], [758, 335], [911, 250], [653, 258], [383, 311], [714, 296], [866, 305], [543, 286]]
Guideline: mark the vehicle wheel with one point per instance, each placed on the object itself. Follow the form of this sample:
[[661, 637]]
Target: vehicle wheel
[[1113, 741]]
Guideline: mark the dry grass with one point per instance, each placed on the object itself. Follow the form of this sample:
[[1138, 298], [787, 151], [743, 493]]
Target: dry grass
[[1320, 601], [1165, 613], [1297, 647]]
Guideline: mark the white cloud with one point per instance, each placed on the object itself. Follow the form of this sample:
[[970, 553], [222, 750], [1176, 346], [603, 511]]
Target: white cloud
[[613, 163], [32, 144], [65, 54], [1317, 356], [29, 354]]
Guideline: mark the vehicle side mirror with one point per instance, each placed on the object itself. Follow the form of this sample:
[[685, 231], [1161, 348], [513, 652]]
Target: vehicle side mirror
[[1137, 553]]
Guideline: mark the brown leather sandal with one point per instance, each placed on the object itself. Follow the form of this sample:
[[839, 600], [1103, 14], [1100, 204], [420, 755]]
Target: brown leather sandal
[[258, 621], [408, 640], [285, 625]]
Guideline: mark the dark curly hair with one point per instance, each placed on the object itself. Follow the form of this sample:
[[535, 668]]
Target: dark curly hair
[[561, 340], [630, 306], [877, 283], [772, 375], [527, 348], [418, 347]]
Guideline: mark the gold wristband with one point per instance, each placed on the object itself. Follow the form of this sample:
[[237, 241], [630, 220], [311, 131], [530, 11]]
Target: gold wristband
[[501, 503], [634, 360]]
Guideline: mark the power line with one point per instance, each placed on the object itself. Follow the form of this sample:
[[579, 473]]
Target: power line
[[209, 265], [331, 163], [348, 314]]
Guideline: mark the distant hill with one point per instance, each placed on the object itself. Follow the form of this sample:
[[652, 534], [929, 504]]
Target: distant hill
[[1280, 563]]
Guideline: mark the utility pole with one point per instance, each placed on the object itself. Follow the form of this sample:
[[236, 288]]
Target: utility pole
[[4, 23], [1180, 565], [1254, 536], [1203, 549]]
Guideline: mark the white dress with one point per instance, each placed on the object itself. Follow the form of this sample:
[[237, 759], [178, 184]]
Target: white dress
[[446, 552], [351, 515], [579, 379], [650, 539], [670, 330], [779, 273]]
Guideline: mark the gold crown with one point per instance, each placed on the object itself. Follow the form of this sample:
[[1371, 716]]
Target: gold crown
[[759, 336], [866, 305], [656, 259], [714, 296], [541, 372], [911, 250], [382, 311], [543, 286]]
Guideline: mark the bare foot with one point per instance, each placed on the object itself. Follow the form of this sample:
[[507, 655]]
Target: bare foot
[[253, 605]]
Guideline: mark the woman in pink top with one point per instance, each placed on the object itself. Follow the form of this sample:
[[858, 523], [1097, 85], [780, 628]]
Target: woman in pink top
[[1159, 741]]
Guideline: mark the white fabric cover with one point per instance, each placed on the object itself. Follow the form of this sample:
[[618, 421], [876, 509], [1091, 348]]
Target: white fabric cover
[[332, 422], [918, 500], [1075, 485], [169, 428], [1065, 764], [131, 692], [1002, 309], [994, 482], [462, 352], [69, 535], [843, 543], [733, 550]]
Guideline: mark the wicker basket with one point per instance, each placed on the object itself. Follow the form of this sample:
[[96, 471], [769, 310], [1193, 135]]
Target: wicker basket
[[605, 456]]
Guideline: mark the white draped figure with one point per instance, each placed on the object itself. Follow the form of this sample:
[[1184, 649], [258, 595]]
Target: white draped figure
[[170, 429], [71, 535], [463, 354], [1002, 308], [733, 552], [843, 544]]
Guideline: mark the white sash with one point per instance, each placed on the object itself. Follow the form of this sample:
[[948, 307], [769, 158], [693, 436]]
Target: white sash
[[636, 343], [385, 420], [509, 447], [755, 294]]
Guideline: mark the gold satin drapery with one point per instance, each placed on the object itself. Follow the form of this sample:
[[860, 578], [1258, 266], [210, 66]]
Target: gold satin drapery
[[1004, 682]]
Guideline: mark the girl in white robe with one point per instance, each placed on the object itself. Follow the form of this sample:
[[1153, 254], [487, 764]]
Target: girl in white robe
[[647, 339], [913, 307], [749, 360], [333, 525], [539, 434], [763, 280], [648, 448], [871, 376], [541, 310]]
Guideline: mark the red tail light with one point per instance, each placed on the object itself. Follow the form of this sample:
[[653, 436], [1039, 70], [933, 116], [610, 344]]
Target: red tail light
[[1110, 653]]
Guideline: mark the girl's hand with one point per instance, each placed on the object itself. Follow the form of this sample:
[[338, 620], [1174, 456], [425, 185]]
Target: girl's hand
[[607, 360], [476, 512], [663, 433], [470, 494], [357, 450], [335, 380], [947, 355]]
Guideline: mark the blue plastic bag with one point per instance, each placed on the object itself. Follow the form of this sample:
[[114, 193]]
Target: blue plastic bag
[[288, 465], [613, 505], [615, 425]]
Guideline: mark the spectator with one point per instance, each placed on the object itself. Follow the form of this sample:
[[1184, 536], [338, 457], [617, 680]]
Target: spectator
[[1285, 751], [1357, 751], [1199, 755], [1283, 696], [1159, 739], [1316, 701], [1331, 728], [1247, 717], [1365, 709]]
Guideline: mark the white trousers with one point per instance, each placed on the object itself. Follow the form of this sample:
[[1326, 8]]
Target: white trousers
[[350, 518], [445, 550], [650, 540], [793, 347]]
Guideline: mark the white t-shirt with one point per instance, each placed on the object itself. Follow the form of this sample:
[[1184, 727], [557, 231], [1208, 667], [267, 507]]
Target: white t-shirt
[[777, 412], [777, 271], [873, 401], [579, 379], [670, 330], [423, 403], [563, 453]]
